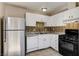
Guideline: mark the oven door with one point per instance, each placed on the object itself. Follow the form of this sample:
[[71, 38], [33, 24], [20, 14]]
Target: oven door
[[67, 45], [67, 48]]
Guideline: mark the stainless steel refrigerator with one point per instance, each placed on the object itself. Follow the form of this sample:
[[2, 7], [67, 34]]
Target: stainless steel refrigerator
[[14, 36]]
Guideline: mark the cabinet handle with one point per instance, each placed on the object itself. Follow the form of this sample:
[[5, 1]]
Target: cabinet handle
[[69, 16], [4, 30], [5, 36]]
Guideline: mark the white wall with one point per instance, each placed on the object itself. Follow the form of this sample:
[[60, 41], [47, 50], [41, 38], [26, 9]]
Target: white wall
[[11, 10]]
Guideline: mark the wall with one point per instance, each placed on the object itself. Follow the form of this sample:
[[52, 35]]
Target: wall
[[1, 9], [11, 10]]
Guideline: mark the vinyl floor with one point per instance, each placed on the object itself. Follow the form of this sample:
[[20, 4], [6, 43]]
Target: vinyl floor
[[44, 52]]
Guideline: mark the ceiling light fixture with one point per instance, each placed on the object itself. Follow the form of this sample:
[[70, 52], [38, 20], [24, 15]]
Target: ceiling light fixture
[[44, 9]]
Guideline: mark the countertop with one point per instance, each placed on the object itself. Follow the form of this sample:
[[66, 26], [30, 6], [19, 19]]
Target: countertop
[[31, 34]]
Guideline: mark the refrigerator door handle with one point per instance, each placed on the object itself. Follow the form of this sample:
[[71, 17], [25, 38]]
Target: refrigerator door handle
[[5, 36], [5, 30]]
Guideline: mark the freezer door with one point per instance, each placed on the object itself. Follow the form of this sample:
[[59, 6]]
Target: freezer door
[[14, 23], [15, 43]]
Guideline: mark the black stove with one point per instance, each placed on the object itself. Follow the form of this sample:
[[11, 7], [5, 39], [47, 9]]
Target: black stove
[[69, 43]]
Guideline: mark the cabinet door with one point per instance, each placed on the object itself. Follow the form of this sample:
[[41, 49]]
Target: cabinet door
[[71, 14], [41, 43], [45, 20], [52, 21], [47, 42], [32, 42], [57, 20], [30, 19], [75, 13], [44, 41], [66, 15], [49, 21], [60, 19], [54, 42]]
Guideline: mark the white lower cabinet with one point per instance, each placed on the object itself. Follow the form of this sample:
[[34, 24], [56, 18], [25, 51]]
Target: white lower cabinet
[[54, 42], [42, 41], [32, 43]]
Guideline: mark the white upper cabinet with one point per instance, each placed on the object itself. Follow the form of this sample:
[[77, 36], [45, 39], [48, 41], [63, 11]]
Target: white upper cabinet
[[66, 15], [75, 13], [60, 18], [31, 19], [43, 18], [71, 14], [57, 20], [53, 20], [48, 21]]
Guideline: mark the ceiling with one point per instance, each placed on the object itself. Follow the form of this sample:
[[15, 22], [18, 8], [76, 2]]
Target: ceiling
[[36, 6]]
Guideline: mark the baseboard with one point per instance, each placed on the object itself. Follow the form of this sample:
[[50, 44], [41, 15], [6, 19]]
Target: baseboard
[[41, 49], [54, 49], [37, 50]]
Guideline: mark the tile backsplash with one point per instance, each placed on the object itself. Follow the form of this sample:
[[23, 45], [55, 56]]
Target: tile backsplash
[[72, 25], [45, 29], [58, 29]]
